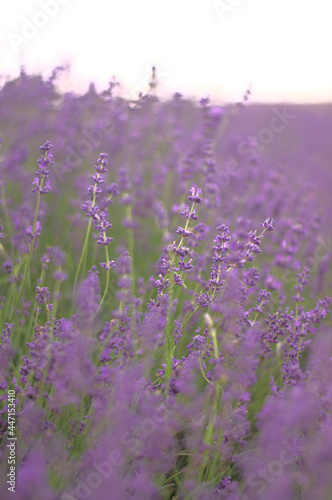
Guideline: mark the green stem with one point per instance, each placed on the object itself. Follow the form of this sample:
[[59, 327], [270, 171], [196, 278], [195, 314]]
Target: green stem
[[84, 250], [300, 343], [190, 316], [182, 238], [85, 246], [2, 250], [216, 402], [107, 282], [34, 315], [55, 294], [210, 429]]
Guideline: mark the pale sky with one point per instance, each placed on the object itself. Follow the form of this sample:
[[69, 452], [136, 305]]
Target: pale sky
[[200, 47]]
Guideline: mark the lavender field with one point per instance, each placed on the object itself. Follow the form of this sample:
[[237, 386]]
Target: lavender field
[[164, 297]]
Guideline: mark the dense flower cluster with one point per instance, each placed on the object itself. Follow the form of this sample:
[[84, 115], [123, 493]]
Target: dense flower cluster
[[190, 358]]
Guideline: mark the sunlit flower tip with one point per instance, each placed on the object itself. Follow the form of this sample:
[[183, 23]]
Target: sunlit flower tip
[[186, 214], [268, 224], [254, 239], [185, 266], [43, 295], [94, 190], [183, 232], [177, 279], [104, 240], [31, 234], [195, 198], [36, 184], [96, 178], [103, 225], [46, 188], [109, 265], [162, 283]]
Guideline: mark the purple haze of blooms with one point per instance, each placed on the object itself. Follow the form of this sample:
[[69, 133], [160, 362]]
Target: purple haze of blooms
[[89, 296], [202, 376]]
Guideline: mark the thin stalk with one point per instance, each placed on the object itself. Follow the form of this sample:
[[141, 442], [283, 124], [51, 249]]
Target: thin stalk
[[216, 403], [2, 250], [55, 294], [107, 281], [190, 316], [34, 315], [84, 250], [27, 266], [85, 246], [182, 238]]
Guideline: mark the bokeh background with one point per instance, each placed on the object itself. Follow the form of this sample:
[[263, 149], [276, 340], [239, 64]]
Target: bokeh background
[[200, 47]]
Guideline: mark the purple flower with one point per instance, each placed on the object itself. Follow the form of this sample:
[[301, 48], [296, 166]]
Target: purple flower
[[34, 234], [302, 280], [109, 265], [183, 232], [186, 214], [43, 295], [113, 189], [194, 197], [8, 266], [60, 275], [44, 163], [267, 224], [104, 240], [178, 279], [41, 190], [162, 284], [102, 223], [89, 296], [102, 163], [185, 266], [203, 299], [177, 331], [46, 147]]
